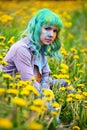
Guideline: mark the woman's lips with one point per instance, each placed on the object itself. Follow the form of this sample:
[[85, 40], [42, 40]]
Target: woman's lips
[[48, 40]]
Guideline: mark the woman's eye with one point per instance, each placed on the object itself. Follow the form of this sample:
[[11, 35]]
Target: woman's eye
[[55, 30], [47, 28]]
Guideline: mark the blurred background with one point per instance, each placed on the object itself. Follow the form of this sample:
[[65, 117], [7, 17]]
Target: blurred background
[[15, 14], [14, 18]]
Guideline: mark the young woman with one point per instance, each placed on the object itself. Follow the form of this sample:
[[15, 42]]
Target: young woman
[[28, 55]]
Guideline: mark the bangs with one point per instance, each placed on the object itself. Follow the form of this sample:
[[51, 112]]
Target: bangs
[[53, 20]]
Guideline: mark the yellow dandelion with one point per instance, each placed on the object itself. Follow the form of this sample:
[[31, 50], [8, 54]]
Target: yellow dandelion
[[76, 128], [64, 66], [55, 113], [19, 101], [21, 84], [2, 91], [7, 76], [80, 71], [73, 50], [64, 52], [6, 18], [84, 50], [44, 108], [55, 75], [85, 104], [68, 24], [1, 57], [86, 59], [63, 30], [36, 109], [80, 85], [69, 99], [63, 71], [33, 89], [18, 76], [75, 78], [76, 57], [25, 35], [66, 76], [11, 41], [62, 88], [49, 99], [69, 88], [78, 96], [48, 93], [85, 38], [80, 64], [79, 91], [23, 22], [85, 93], [70, 95], [35, 126], [28, 82], [25, 92], [66, 15], [55, 104], [12, 91], [2, 44], [5, 123], [38, 102], [68, 81], [2, 37], [4, 63], [33, 79], [60, 76], [70, 35], [12, 85]]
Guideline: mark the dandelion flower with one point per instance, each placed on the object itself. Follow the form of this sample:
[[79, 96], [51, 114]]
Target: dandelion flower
[[54, 113], [36, 109], [35, 126], [62, 88], [76, 128], [64, 66], [4, 63], [5, 123], [2, 37], [55, 104], [2, 91], [76, 57], [74, 50], [38, 102], [7, 76], [85, 94], [80, 85], [19, 101], [12, 91], [69, 99]]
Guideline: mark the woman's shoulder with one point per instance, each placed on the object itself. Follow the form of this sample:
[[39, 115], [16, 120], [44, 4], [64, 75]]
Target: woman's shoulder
[[23, 42]]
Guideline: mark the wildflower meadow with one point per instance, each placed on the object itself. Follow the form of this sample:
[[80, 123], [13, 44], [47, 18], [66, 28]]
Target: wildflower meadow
[[22, 107]]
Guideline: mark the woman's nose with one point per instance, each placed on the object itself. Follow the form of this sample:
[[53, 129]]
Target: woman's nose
[[50, 34]]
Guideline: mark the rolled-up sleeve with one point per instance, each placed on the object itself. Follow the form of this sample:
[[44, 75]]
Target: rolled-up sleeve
[[22, 60]]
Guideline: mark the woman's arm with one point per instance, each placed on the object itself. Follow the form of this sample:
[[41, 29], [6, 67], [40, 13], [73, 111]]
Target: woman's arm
[[23, 62]]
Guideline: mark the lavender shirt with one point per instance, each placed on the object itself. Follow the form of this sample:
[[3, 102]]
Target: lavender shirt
[[21, 58]]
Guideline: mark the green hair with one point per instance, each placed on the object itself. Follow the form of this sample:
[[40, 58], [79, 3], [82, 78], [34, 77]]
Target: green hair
[[44, 17]]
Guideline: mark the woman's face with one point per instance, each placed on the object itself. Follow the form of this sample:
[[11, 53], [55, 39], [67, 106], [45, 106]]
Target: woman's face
[[48, 34]]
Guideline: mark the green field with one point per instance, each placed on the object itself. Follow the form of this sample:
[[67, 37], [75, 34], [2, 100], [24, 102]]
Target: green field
[[19, 107]]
